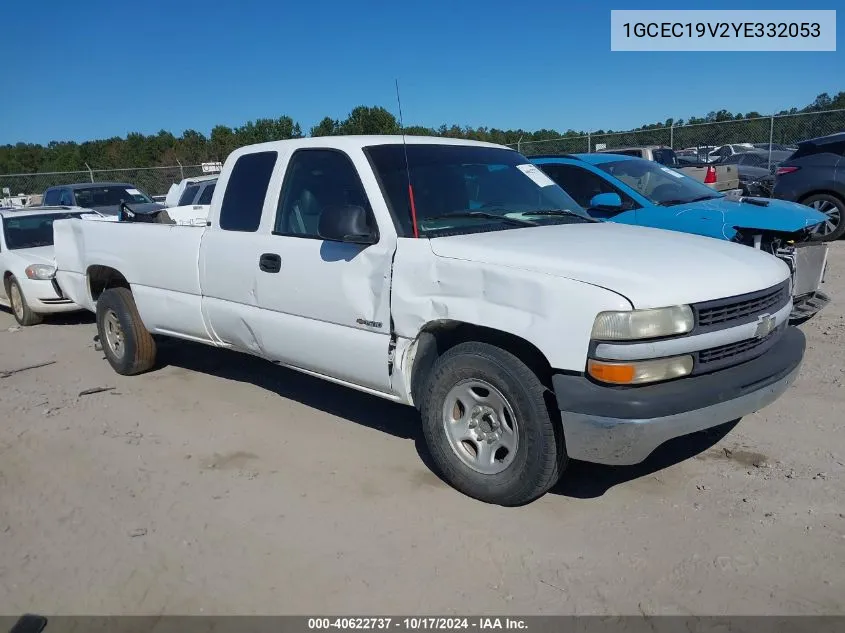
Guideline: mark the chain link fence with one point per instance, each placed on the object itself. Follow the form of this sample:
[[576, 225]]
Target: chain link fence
[[154, 181], [778, 132]]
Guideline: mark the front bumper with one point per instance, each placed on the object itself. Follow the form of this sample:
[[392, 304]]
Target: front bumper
[[623, 425], [45, 296]]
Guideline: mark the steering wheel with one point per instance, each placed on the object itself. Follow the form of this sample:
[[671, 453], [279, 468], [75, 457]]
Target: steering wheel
[[665, 191]]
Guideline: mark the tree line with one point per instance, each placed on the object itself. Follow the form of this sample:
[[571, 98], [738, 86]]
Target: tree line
[[193, 147]]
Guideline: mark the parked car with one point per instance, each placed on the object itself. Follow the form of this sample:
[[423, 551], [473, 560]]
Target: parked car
[[701, 153], [29, 287], [723, 151], [103, 197], [189, 200], [815, 175], [776, 147], [192, 191], [473, 295], [756, 177], [756, 158], [635, 191], [718, 177]]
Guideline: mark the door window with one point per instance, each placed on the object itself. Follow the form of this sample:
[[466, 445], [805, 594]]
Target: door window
[[316, 179]]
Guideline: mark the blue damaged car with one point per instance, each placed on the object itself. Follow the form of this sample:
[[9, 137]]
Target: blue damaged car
[[628, 190]]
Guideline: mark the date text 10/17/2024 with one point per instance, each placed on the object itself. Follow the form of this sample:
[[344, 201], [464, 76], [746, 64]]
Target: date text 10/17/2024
[[418, 623]]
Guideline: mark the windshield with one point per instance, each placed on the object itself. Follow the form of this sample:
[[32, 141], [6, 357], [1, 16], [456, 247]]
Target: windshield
[[31, 231], [659, 184], [109, 196], [461, 188]]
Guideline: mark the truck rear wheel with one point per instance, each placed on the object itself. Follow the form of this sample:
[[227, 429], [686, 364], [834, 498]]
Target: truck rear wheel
[[488, 427], [128, 346]]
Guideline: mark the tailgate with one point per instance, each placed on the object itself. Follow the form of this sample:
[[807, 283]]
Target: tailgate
[[727, 176], [68, 251]]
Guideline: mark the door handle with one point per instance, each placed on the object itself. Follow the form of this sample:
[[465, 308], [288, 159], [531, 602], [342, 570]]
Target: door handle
[[270, 263]]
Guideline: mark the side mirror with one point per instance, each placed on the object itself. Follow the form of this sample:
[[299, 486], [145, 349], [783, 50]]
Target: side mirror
[[606, 202], [346, 223]]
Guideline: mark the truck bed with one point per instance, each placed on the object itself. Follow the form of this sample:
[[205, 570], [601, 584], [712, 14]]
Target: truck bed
[[81, 245]]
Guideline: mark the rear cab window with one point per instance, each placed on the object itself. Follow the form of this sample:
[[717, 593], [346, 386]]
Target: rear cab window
[[665, 157], [246, 190]]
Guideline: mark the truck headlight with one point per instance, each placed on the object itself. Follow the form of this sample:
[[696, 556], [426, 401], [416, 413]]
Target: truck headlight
[[40, 271], [632, 325], [639, 372]]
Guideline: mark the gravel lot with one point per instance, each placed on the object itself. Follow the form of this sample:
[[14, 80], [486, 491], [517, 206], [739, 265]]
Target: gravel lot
[[222, 484]]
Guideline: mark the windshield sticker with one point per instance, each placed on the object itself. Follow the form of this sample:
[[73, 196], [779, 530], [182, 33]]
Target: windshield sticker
[[672, 172], [133, 192], [536, 175]]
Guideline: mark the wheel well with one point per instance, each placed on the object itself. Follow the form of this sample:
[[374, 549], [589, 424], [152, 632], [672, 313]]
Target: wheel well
[[100, 278], [822, 192], [437, 337]]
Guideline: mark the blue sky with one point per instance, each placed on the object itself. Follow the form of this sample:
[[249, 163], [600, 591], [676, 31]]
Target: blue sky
[[100, 68]]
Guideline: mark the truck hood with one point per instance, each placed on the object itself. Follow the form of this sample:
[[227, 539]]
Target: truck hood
[[721, 217], [651, 268]]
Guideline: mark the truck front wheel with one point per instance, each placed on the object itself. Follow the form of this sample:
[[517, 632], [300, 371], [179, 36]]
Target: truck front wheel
[[488, 427], [128, 346]]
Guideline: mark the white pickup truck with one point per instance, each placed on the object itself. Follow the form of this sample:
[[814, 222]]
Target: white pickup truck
[[455, 277]]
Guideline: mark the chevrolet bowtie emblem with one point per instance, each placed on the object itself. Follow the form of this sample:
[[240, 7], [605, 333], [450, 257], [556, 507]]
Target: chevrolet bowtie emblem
[[765, 325]]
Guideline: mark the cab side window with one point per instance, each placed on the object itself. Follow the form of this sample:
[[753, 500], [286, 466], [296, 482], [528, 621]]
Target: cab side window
[[65, 198], [245, 193]]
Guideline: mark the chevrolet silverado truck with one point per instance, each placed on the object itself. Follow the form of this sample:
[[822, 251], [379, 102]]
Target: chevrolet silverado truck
[[456, 277]]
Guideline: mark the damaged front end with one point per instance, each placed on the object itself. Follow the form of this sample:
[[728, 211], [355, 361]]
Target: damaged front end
[[807, 261]]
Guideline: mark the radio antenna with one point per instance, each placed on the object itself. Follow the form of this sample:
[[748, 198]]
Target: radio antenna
[[407, 165]]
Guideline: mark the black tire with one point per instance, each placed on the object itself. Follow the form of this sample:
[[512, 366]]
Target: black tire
[[20, 308], [136, 351], [822, 199], [540, 455]]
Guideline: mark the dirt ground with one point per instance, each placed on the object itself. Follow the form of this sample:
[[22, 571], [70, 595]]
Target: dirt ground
[[220, 484]]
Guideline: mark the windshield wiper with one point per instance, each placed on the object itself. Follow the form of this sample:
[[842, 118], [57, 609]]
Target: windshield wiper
[[483, 215], [671, 203], [559, 212]]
